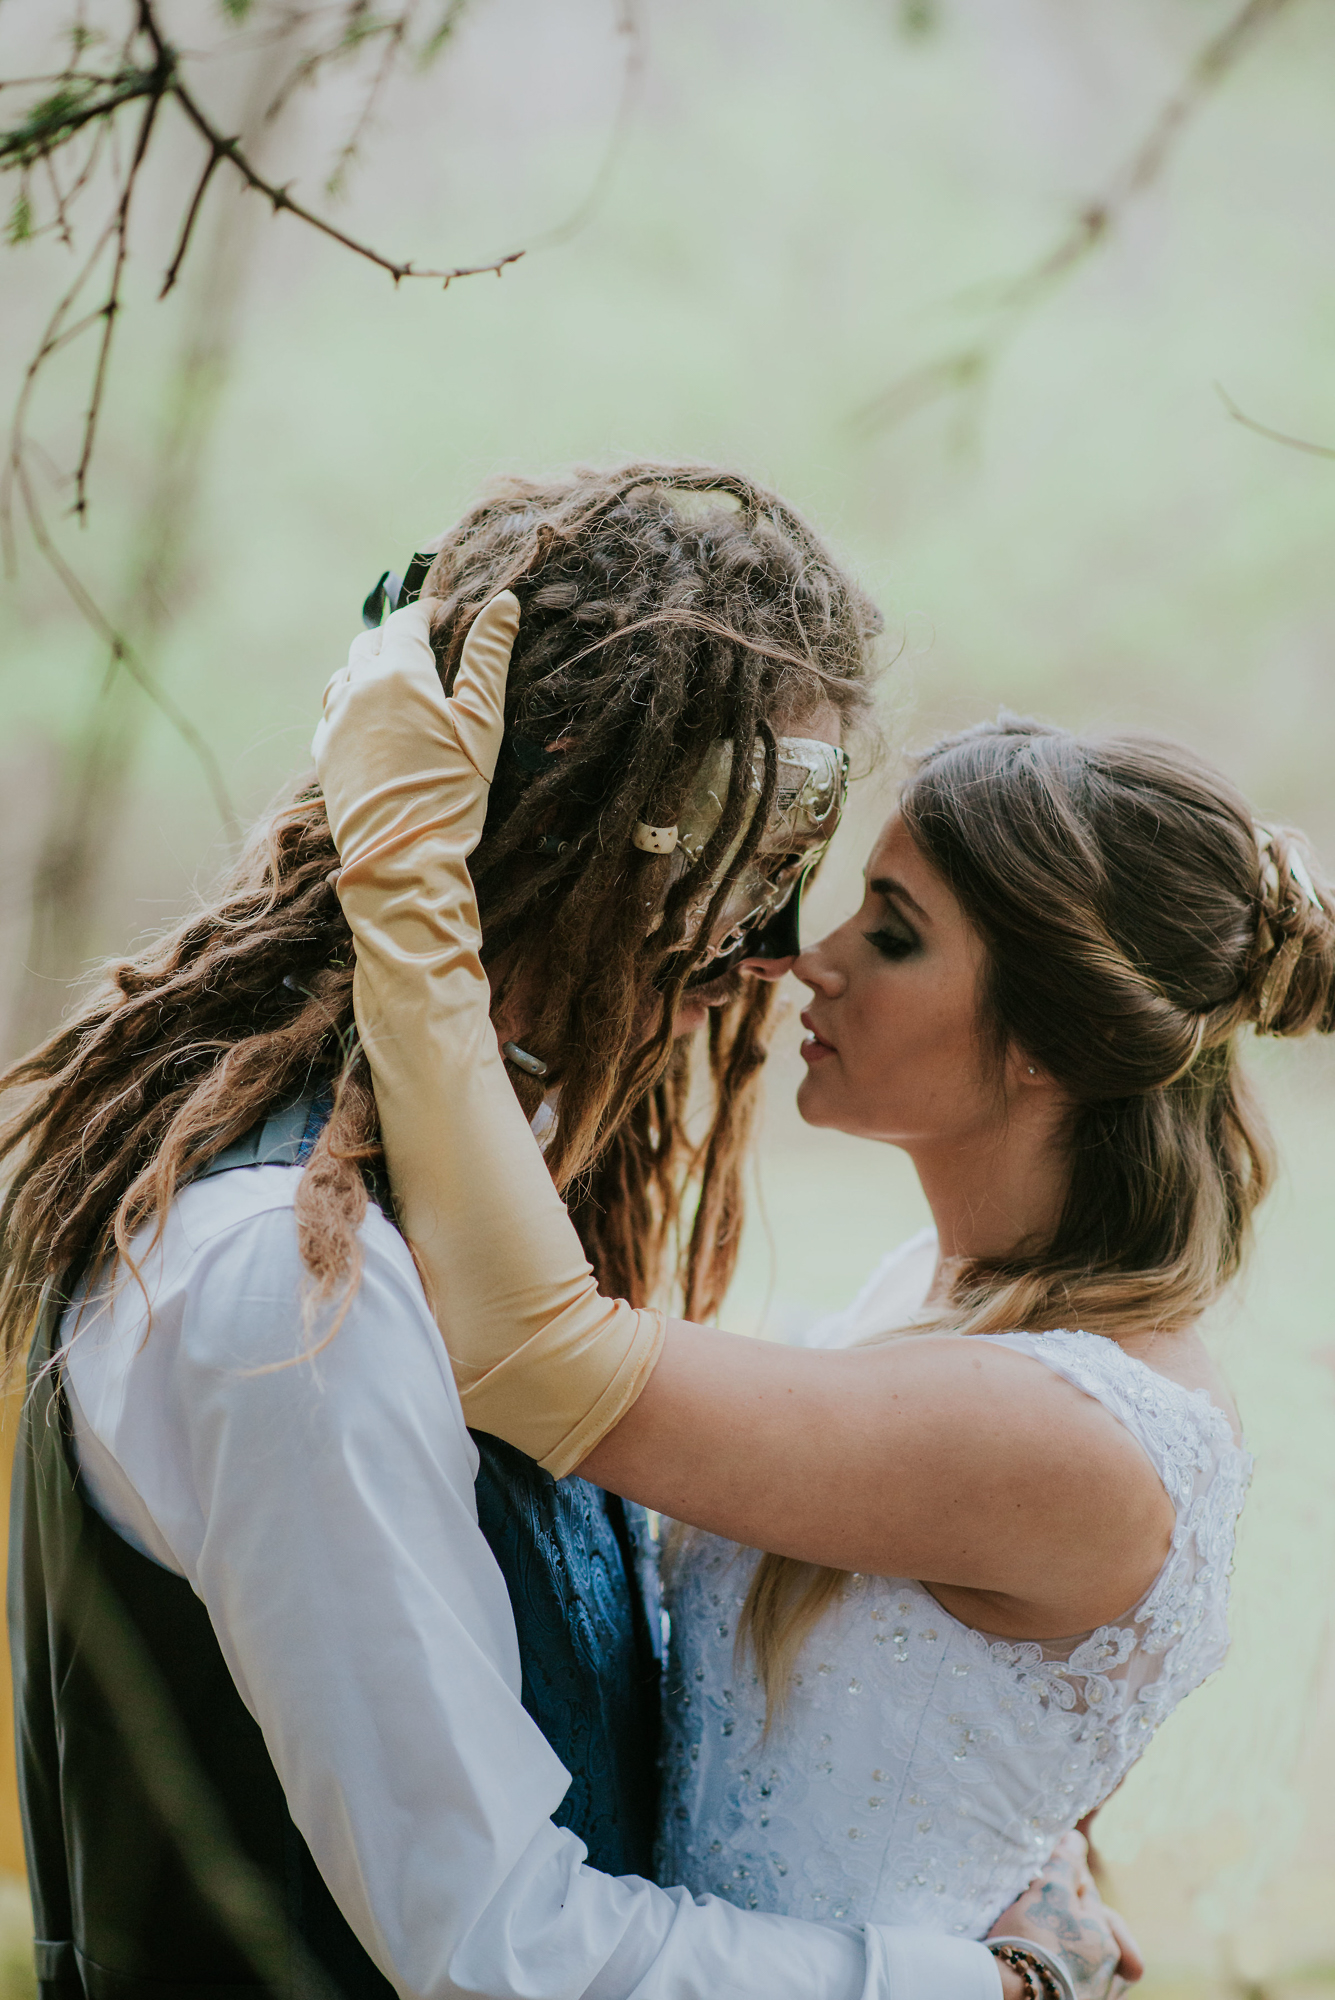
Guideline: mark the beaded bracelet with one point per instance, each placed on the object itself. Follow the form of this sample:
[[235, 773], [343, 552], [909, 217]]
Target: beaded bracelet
[[1044, 1975], [1027, 1967]]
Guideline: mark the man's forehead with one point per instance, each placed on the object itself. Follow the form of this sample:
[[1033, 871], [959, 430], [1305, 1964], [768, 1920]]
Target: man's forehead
[[820, 724]]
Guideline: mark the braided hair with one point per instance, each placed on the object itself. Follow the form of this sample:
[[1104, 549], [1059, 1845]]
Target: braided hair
[[664, 608]]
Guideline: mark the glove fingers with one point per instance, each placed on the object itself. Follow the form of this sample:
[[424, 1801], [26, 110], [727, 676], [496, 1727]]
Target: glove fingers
[[361, 652], [477, 701], [388, 701]]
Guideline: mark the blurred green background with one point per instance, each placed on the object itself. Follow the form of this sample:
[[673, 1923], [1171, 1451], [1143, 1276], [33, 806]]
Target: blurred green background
[[803, 203]]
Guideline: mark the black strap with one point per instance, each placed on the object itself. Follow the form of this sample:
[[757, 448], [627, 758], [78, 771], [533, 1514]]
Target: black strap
[[53, 1961], [390, 592]]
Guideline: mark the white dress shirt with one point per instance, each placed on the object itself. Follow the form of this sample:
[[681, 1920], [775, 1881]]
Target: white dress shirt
[[322, 1507]]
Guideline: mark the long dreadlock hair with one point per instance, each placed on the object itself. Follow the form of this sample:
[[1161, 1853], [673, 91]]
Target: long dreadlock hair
[[664, 608]]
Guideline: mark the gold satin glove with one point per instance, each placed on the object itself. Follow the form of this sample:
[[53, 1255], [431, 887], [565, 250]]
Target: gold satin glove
[[541, 1358]]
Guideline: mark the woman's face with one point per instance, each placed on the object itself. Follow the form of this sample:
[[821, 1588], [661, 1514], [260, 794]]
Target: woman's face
[[894, 1048]]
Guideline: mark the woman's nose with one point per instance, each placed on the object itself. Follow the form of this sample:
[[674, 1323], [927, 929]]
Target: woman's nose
[[814, 969]]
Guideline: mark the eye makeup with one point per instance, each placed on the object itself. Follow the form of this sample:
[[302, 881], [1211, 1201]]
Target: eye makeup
[[895, 937]]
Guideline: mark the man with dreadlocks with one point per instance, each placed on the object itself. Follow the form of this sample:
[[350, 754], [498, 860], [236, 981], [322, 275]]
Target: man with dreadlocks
[[268, 1678]]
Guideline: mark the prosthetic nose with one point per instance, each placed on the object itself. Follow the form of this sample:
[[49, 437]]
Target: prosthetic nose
[[779, 936]]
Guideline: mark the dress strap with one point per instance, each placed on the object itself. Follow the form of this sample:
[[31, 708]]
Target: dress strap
[[1181, 1430]]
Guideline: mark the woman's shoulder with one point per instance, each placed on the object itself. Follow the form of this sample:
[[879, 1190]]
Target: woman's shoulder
[[1182, 1418]]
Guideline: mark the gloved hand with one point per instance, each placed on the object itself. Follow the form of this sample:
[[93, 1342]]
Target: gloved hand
[[541, 1359]]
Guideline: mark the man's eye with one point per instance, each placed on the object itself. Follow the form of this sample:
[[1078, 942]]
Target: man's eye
[[892, 943], [784, 865]]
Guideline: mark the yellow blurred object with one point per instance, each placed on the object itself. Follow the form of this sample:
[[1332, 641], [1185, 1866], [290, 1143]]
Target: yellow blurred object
[[11, 1829]]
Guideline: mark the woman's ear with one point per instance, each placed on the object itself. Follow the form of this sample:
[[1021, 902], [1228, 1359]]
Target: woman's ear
[[1023, 1073]]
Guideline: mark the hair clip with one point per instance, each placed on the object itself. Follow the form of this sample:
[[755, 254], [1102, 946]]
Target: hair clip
[[1293, 862], [654, 839], [1298, 870], [532, 1065], [531, 757]]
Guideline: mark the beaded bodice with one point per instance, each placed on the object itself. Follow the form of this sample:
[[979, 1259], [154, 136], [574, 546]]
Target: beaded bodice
[[923, 1771]]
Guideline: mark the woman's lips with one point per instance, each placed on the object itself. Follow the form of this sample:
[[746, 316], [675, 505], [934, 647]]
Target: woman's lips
[[815, 1048]]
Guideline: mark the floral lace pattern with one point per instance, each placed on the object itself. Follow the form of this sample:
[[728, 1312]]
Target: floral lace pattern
[[923, 1771]]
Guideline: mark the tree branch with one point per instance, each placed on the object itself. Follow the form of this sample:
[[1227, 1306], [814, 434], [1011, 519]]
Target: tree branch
[[1264, 430], [188, 225], [1010, 303], [58, 118], [111, 308], [282, 202], [124, 655], [278, 197]]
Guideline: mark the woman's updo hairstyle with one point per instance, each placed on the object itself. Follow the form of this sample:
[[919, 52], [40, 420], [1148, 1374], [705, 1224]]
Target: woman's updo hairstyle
[[1136, 917]]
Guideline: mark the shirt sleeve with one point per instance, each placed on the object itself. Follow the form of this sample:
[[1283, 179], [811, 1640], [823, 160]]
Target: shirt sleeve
[[325, 1515]]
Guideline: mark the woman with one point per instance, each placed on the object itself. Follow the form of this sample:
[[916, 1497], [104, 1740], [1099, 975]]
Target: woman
[[997, 1560]]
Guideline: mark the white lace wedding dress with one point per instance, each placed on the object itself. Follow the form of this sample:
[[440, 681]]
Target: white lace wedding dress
[[923, 1771]]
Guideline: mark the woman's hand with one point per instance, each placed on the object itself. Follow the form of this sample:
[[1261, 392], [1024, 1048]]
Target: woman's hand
[[1063, 1911], [396, 756]]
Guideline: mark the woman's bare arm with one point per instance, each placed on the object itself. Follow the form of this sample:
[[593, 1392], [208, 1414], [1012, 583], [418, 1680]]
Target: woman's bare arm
[[972, 1468]]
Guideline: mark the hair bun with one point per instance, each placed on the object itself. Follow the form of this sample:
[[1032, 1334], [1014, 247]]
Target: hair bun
[[1290, 987]]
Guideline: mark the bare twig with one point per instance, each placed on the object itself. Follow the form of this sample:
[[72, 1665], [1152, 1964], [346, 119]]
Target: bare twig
[[1264, 430], [55, 335], [111, 308], [123, 654], [278, 197], [86, 98], [282, 203], [395, 37], [173, 270], [1009, 304], [628, 28]]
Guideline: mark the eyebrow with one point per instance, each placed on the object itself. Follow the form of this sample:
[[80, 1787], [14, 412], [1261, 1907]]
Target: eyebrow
[[895, 892]]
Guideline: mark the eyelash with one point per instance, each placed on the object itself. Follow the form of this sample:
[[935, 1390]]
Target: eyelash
[[891, 944]]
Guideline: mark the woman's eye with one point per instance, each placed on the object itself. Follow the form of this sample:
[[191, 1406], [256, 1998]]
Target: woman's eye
[[892, 943]]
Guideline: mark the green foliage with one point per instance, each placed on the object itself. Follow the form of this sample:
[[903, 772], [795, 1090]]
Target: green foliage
[[50, 122], [235, 10], [19, 227], [450, 18], [83, 98], [918, 18]]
